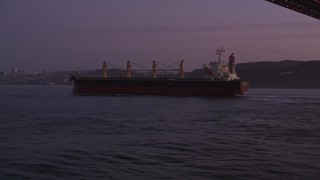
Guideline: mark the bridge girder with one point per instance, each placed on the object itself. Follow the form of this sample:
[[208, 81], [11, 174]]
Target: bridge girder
[[307, 7]]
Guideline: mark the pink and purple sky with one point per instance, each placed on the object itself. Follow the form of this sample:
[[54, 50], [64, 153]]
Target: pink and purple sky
[[80, 34]]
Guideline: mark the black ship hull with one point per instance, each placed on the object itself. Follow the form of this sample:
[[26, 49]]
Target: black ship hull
[[167, 87]]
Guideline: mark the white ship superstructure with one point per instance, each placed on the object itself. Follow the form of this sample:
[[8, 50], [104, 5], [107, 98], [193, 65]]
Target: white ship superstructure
[[218, 70]]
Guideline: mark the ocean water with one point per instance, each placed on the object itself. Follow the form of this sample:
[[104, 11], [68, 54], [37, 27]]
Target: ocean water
[[46, 132]]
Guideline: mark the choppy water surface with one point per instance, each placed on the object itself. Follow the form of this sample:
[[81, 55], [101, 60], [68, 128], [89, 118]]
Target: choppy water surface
[[46, 132]]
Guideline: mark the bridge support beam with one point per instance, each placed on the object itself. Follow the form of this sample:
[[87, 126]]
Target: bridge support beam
[[307, 7]]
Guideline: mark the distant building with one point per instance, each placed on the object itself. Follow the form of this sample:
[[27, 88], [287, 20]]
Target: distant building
[[14, 71], [3, 73]]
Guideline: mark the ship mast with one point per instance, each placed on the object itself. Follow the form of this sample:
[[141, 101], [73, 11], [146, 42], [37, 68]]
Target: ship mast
[[181, 69], [154, 69], [219, 53], [104, 69], [128, 69]]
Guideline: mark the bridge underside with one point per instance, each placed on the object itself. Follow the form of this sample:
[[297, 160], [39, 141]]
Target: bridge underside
[[307, 7]]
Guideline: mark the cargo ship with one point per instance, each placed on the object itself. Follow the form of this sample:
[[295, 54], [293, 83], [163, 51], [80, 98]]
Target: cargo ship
[[221, 80]]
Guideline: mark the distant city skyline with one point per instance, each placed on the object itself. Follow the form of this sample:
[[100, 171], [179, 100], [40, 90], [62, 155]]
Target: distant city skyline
[[71, 35]]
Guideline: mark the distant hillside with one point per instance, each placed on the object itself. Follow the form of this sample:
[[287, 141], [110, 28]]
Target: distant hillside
[[283, 74]]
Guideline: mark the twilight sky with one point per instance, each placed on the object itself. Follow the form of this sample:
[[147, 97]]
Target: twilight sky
[[80, 34]]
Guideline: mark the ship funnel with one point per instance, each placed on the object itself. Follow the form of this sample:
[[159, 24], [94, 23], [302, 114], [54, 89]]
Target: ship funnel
[[128, 69], [232, 66], [104, 69], [181, 69], [154, 69]]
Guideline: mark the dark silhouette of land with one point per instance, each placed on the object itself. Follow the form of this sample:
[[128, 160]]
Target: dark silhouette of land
[[282, 74]]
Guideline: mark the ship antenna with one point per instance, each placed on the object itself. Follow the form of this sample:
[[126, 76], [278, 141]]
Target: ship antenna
[[219, 53]]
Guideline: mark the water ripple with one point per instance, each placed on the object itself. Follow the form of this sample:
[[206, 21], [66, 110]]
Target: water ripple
[[46, 133]]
